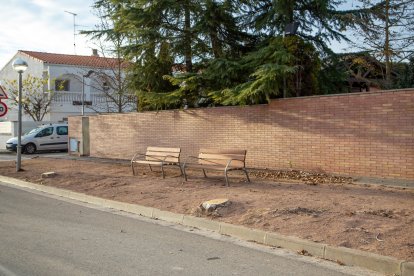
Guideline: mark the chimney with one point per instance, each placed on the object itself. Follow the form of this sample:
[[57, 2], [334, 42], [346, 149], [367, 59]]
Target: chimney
[[95, 53]]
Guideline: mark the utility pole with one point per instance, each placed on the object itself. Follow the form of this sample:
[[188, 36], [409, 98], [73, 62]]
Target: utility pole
[[74, 30]]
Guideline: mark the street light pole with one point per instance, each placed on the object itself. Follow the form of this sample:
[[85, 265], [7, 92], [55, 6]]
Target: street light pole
[[290, 29], [83, 95], [20, 66]]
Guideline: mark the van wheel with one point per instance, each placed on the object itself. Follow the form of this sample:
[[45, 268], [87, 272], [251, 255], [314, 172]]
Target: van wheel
[[29, 148]]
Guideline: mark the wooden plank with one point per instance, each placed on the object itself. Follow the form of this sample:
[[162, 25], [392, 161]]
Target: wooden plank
[[172, 159], [222, 156], [162, 149], [214, 162], [147, 162], [223, 151], [159, 153], [161, 158]]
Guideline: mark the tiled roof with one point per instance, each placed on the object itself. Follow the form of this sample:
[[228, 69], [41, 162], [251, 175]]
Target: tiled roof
[[87, 61]]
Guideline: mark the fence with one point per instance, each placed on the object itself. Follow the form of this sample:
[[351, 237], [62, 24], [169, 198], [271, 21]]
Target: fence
[[360, 134]]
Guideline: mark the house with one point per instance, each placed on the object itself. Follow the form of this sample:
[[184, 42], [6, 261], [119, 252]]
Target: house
[[69, 77], [73, 79]]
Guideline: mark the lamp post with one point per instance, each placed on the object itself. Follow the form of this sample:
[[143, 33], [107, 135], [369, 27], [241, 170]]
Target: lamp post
[[83, 89], [290, 29], [19, 65]]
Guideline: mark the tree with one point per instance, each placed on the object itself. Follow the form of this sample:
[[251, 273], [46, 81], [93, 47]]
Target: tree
[[405, 72], [320, 20], [111, 80], [388, 34], [225, 48], [35, 99]]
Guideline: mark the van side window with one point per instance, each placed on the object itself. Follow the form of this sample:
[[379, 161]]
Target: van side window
[[62, 130], [45, 132]]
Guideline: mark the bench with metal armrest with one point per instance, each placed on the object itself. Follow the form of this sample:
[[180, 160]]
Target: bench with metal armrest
[[222, 160], [157, 156]]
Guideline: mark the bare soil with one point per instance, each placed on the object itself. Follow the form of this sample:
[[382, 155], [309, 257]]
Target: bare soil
[[315, 207]]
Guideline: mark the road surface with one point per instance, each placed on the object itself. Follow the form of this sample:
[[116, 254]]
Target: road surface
[[44, 235]]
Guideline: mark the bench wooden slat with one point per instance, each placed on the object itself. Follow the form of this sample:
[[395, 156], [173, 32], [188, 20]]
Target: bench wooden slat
[[162, 149], [210, 167], [222, 156], [162, 153], [147, 162], [221, 151], [166, 159]]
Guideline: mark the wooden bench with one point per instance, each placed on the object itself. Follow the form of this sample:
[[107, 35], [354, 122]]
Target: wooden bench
[[222, 160], [157, 156]]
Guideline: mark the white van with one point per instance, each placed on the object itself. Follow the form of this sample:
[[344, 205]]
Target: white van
[[44, 137]]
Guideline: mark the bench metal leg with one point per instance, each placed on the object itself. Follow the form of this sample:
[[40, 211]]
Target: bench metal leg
[[204, 172], [247, 175], [162, 169], [181, 170], [133, 169], [150, 167], [227, 180], [185, 174]]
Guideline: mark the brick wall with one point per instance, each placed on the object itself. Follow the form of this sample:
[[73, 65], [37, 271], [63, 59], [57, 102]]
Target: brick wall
[[75, 130], [364, 134]]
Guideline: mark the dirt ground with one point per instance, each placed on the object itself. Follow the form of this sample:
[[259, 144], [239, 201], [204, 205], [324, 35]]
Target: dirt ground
[[319, 208]]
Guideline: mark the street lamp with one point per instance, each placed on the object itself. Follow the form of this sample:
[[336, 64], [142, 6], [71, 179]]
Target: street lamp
[[290, 29], [19, 65], [83, 89]]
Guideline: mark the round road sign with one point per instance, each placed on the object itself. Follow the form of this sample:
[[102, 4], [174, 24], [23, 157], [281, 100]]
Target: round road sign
[[3, 109]]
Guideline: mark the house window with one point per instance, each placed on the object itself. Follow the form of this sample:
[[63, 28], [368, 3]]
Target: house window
[[105, 86], [62, 85]]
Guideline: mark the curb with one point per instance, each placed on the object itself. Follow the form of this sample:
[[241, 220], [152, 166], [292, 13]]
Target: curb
[[347, 256]]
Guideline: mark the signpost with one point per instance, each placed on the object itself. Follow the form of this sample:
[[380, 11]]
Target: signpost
[[3, 106], [3, 109]]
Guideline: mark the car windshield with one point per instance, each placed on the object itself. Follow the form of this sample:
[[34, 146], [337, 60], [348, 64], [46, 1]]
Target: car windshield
[[35, 130]]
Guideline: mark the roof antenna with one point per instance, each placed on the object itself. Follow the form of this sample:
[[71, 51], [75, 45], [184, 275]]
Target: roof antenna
[[74, 30]]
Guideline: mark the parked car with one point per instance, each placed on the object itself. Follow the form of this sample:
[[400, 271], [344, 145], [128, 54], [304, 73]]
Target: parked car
[[44, 137]]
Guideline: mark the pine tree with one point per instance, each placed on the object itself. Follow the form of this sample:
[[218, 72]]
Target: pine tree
[[388, 34]]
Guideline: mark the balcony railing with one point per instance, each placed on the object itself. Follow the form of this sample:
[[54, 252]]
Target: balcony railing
[[76, 97]]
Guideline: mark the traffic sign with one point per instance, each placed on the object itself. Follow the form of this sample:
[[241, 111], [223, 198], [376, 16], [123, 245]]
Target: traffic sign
[[3, 109], [3, 94]]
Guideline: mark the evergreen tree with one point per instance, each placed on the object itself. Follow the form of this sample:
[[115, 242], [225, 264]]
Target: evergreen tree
[[320, 20], [229, 51], [388, 34]]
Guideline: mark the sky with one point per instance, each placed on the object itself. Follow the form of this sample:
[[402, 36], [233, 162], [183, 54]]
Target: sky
[[44, 26]]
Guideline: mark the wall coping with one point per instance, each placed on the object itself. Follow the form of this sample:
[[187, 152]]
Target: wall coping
[[256, 105]]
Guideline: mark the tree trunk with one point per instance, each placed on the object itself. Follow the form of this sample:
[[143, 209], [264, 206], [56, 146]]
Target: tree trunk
[[187, 37], [387, 51]]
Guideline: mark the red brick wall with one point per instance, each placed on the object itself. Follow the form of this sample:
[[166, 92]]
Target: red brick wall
[[364, 134], [75, 130]]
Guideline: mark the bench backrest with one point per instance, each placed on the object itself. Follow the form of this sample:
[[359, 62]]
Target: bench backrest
[[160, 153], [221, 157]]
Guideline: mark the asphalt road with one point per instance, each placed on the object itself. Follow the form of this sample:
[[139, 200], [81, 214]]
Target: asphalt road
[[43, 235]]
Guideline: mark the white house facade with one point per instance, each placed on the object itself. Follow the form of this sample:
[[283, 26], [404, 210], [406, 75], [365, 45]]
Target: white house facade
[[70, 77]]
